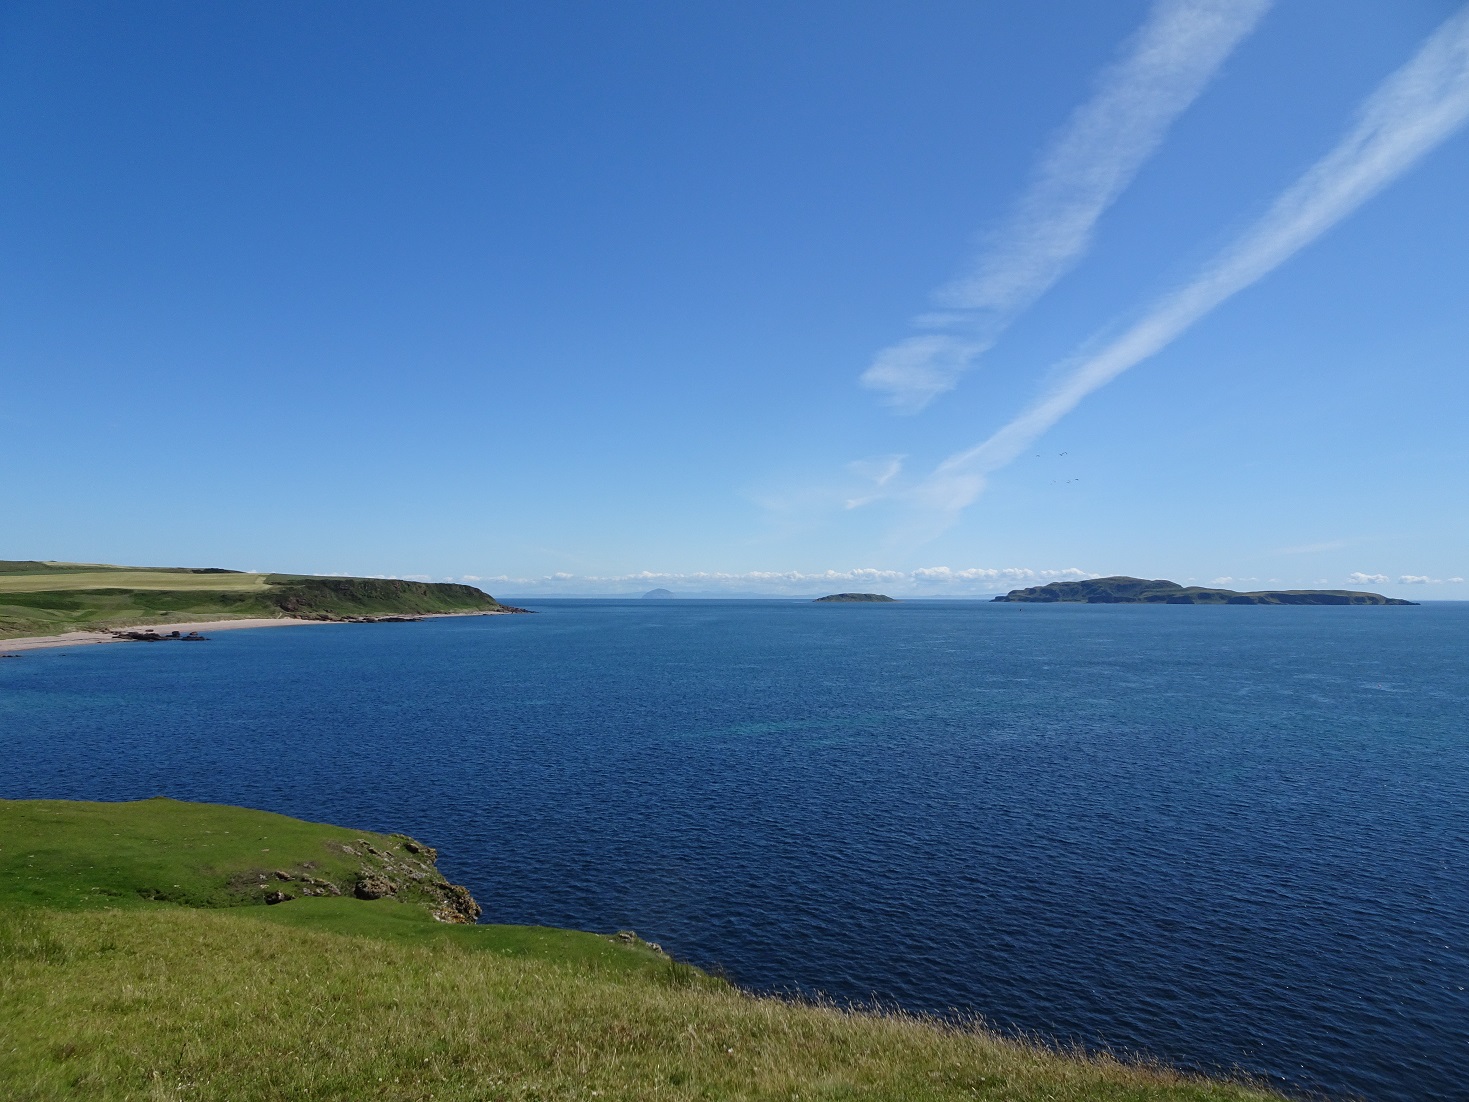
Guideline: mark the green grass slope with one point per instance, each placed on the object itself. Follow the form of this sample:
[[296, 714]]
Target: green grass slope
[[75, 854], [39, 598], [116, 993], [78, 856]]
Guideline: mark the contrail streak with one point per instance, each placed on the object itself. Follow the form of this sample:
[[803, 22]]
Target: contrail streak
[[1164, 67], [1411, 113]]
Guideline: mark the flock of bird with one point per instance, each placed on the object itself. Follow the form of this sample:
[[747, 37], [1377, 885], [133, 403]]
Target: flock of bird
[[1061, 481]]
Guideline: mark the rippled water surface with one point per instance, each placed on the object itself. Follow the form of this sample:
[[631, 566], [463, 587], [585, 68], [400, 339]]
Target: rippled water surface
[[1225, 836]]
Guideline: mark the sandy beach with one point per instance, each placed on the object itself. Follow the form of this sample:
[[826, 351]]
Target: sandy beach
[[86, 638]]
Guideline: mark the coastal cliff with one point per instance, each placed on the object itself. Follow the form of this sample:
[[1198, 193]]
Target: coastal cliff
[[309, 596], [1141, 591]]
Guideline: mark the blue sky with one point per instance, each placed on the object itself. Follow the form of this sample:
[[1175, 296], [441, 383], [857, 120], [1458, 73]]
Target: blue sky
[[740, 298]]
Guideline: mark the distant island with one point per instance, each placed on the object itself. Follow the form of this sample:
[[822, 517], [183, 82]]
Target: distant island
[[1159, 591], [657, 595], [46, 598], [853, 597]]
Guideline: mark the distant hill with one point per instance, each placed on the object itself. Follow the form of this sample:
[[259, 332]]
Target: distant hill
[[45, 598], [657, 595], [1140, 591], [853, 597]]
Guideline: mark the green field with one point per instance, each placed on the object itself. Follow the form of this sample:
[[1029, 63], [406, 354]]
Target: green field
[[46, 598], [108, 990], [40, 566], [128, 579]]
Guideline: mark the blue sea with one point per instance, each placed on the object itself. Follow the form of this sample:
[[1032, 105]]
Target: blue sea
[[1232, 838]]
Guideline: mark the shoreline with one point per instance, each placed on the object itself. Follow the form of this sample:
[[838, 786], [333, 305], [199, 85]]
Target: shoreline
[[91, 637]]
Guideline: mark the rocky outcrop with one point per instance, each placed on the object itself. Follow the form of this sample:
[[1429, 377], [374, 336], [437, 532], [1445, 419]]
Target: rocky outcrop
[[405, 871], [408, 873], [630, 937], [372, 886], [148, 635], [456, 905]]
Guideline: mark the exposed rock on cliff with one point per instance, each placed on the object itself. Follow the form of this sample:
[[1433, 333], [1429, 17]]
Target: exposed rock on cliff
[[406, 872]]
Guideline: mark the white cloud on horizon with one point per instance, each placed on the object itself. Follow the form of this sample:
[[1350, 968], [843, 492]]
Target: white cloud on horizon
[[1162, 69], [931, 580], [1359, 578], [1408, 115]]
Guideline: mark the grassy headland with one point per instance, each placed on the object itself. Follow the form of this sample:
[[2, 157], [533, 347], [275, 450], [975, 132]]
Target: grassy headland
[[138, 959], [44, 598], [1122, 590]]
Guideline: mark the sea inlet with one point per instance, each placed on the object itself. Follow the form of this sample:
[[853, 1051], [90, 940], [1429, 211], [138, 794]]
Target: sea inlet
[[1229, 838]]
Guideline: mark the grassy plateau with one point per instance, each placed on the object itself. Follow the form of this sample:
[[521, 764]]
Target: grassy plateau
[[139, 959], [46, 598]]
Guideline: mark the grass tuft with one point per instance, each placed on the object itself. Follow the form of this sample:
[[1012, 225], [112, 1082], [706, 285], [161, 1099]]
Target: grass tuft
[[27, 935]]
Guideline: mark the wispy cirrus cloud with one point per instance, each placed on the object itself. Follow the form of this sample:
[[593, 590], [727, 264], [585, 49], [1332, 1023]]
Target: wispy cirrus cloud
[[878, 473], [1160, 72], [1408, 115]]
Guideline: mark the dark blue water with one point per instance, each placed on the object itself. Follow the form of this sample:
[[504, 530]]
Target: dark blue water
[[1228, 837]]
